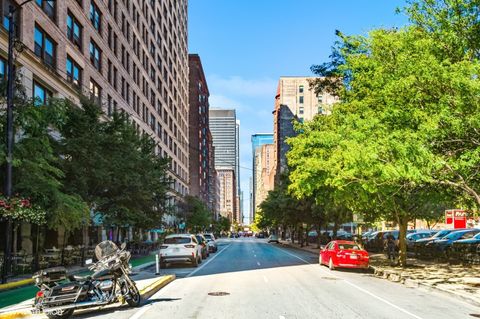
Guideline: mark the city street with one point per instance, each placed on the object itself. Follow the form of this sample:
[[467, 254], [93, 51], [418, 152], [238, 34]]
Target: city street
[[249, 278]]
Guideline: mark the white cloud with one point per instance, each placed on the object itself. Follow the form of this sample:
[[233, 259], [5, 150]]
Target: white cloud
[[223, 102], [239, 86]]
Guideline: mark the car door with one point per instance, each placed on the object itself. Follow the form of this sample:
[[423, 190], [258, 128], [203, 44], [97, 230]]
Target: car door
[[330, 251]]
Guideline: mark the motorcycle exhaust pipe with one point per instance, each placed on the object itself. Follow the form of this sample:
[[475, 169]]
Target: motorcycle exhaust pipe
[[76, 305]]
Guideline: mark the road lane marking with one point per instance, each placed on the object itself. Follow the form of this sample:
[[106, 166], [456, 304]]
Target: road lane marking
[[281, 317], [258, 263], [207, 262], [357, 287]]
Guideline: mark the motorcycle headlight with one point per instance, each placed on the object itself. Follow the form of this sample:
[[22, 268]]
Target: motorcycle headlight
[[38, 281], [130, 266]]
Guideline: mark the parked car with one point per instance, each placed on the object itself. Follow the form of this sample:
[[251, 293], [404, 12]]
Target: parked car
[[421, 234], [374, 242], [440, 247], [466, 250], [343, 254], [419, 247], [180, 248], [260, 235], [203, 242], [273, 239], [211, 242]]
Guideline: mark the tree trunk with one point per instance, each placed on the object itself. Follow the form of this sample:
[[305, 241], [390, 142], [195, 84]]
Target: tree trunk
[[317, 228], [403, 223], [335, 228]]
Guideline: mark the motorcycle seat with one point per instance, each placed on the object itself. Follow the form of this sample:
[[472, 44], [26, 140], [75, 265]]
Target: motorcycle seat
[[80, 278]]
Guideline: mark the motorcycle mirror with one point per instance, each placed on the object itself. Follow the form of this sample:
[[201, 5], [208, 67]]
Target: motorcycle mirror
[[123, 245], [88, 261]]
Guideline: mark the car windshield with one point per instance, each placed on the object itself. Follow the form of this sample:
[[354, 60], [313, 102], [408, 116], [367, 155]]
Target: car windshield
[[454, 235], [208, 236], [200, 238], [177, 240], [349, 246]]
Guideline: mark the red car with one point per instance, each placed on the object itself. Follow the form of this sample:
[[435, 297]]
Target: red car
[[343, 254]]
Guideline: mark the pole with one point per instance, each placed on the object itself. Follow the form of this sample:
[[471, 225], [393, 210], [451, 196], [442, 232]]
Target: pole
[[8, 172], [157, 265]]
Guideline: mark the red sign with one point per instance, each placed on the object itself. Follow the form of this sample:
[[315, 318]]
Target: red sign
[[457, 217]]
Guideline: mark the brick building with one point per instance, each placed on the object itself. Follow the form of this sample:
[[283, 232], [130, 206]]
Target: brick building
[[202, 157], [128, 55]]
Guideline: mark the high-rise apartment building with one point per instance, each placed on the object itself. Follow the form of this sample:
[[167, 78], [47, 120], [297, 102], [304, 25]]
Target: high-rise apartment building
[[295, 100], [265, 172], [201, 150], [128, 56], [225, 133], [228, 197], [257, 141]]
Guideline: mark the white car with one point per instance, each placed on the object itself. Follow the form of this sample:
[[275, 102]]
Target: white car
[[178, 248], [212, 244]]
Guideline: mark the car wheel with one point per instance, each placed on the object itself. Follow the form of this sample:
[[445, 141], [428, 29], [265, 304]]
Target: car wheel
[[195, 262], [330, 264], [320, 260], [200, 259]]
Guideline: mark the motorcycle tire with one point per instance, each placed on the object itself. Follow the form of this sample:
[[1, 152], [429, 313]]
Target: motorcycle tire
[[64, 315], [135, 300]]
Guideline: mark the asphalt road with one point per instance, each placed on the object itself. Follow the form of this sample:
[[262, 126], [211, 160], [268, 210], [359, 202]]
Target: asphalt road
[[249, 278]]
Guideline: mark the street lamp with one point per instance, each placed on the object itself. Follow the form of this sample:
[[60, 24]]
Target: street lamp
[[8, 171]]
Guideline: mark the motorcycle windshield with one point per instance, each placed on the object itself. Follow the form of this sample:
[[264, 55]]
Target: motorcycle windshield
[[105, 248]]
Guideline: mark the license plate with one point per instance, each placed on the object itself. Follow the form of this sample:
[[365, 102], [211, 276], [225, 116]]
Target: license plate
[[353, 256], [176, 249]]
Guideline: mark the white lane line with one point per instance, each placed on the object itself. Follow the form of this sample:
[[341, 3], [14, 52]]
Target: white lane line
[[265, 279], [207, 262], [258, 263], [281, 317], [139, 314], [357, 287]]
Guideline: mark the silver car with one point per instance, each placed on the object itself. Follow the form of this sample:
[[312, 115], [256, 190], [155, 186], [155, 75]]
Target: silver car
[[212, 244]]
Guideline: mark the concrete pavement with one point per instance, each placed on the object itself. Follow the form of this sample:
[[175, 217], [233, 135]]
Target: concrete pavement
[[249, 278]]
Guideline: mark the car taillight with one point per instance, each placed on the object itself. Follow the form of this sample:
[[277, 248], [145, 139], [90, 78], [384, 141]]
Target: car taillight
[[40, 294], [163, 247], [190, 246]]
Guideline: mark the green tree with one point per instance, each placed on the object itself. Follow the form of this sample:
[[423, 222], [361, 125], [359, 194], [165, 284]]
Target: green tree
[[198, 217]]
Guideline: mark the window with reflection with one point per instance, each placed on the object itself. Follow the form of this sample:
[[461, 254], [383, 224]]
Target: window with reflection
[[74, 30], [74, 72], [48, 6], [41, 94], [44, 47]]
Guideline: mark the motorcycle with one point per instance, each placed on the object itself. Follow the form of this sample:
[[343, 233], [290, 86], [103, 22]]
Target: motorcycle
[[109, 283]]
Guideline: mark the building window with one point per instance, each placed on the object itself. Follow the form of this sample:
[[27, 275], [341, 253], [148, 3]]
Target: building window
[[74, 30], [320, 110], [41, 94], [320, 98], [48, 6], [300, 89], [95, 92], [300, 100], [74, 72], [301, 110], [95, 16], [44, 47], [16, 15], [95, 55]]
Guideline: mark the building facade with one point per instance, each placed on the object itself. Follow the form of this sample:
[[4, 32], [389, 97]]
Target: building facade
[[225, 134], [128, 56], [295, 100], [265, 172], [228, 197], [257, 140], [201, 150]]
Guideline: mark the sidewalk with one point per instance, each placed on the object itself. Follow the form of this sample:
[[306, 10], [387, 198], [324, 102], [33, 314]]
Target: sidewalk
[[459, 281], [26, 290]]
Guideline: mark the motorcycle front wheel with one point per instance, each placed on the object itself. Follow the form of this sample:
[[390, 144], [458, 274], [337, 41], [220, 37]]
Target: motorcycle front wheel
[[134, 300], [64, 314]]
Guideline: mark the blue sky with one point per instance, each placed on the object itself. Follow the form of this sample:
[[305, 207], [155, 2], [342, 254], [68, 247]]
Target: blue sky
[[246, 45]]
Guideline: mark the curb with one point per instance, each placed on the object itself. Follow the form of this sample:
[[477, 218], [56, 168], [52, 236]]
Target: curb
[[151, 289], [16, 284]]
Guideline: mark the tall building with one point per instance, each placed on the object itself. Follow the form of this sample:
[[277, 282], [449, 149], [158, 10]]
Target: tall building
[[201, 151], [228, 197], [128, 56], [265, 172], [295, 100], [225, 132], [258, 140]]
